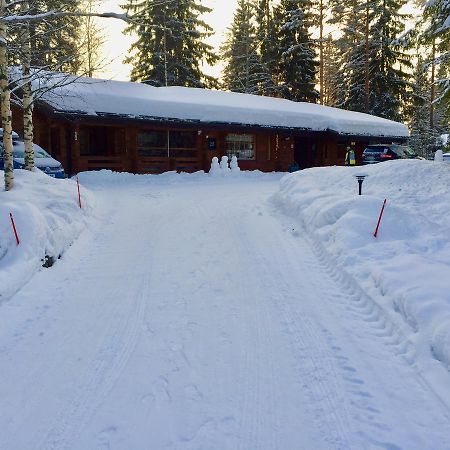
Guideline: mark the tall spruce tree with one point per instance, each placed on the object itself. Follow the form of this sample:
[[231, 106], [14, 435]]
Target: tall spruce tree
[[55, 43], [437, 37], [353, 18], [332, 93], [423, 137], [388, 60], [375, 62], [297, 65], [243, 71], [266, 35], [170, 47]]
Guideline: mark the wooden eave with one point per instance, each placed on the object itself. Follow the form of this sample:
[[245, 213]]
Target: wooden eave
[[83, 118]]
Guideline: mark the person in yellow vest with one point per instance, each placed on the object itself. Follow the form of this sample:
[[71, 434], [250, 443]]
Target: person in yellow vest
[[350, 159]]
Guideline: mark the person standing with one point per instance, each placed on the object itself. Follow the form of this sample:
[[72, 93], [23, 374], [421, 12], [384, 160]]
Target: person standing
[[350, 159]]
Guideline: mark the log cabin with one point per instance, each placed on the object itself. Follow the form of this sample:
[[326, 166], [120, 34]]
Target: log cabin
[[92, 124]]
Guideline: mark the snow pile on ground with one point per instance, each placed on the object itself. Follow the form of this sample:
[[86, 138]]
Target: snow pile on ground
[[407, 268], [48, 219]]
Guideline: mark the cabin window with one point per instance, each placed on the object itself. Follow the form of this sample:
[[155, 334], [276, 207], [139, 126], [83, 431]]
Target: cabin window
[[240, 145], [100, 141], [159, 143], [152, 143], [183, 144]]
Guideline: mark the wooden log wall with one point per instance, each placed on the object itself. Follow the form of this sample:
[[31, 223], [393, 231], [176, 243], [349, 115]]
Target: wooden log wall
[[273, 151]]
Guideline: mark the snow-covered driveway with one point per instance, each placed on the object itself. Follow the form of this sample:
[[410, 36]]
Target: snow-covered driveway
[[192, 315]]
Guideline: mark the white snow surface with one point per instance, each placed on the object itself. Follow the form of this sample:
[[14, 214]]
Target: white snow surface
[[137, 100], [196, 312], [47, 218], [406, 268]]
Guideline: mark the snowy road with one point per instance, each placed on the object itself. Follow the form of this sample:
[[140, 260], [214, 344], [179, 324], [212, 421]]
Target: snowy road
[[192, 315]]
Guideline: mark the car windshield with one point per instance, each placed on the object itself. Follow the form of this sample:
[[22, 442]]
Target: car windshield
[[376, 149], [409, 151], [19, 150]]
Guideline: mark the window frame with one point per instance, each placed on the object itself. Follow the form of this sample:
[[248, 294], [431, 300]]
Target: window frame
[[167, 151], [241, 143]]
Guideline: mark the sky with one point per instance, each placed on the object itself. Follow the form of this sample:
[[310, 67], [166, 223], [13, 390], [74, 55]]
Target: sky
[[117, 44]]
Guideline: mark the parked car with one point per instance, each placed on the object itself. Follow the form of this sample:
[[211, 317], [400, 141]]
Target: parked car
[[43, 160], [446, 157], [386, 152]]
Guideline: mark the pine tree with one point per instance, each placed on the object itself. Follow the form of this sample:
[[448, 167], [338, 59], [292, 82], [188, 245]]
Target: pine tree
[[243, 71], [320, 17], [422, 135], [54, 43], [353, 18], [388, 60], [297, 61], [437, 36], [170, 47], [333, 82], [266, 36], [375, 63]]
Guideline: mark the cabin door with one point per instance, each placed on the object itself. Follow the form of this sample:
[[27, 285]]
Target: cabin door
[[305, 152]]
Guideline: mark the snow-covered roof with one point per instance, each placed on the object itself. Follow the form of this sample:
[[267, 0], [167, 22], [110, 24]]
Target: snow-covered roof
[[95, 97]]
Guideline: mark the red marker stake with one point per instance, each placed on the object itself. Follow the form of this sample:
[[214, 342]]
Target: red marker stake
[[14, 228], [79, 196], [379, 219]]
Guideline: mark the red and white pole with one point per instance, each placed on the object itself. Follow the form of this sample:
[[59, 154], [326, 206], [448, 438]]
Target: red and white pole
[[14, 229], [79, 195], [379, 219]]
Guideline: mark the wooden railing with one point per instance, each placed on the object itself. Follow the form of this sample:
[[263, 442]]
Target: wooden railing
[[142, 164], [152, 164], [101, 162], [161, 164]]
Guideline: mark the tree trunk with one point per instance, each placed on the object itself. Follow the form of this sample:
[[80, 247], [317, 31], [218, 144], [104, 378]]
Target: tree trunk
[[27, 100], [433, 83], [321, 21], [6, 103], [366, 62]]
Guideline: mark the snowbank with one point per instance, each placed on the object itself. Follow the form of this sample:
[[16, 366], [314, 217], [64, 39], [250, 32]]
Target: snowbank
[[108, 179], [407, 268], [48, 220]]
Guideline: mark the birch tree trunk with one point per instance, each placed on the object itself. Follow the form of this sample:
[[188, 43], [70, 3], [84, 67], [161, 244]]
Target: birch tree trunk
[[27, 92], [6, 103]]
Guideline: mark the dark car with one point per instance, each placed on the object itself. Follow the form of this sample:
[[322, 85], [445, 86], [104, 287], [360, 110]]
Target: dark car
[[43, 160], [386, 152]]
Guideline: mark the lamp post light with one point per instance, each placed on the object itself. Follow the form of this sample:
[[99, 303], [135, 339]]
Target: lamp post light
[[360, 178]]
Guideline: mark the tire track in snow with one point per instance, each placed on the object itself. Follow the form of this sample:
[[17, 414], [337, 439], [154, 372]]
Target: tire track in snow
[[258, 381], [382, 325], [105, 370], [113, 354], [315, 364], [378, 327]]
